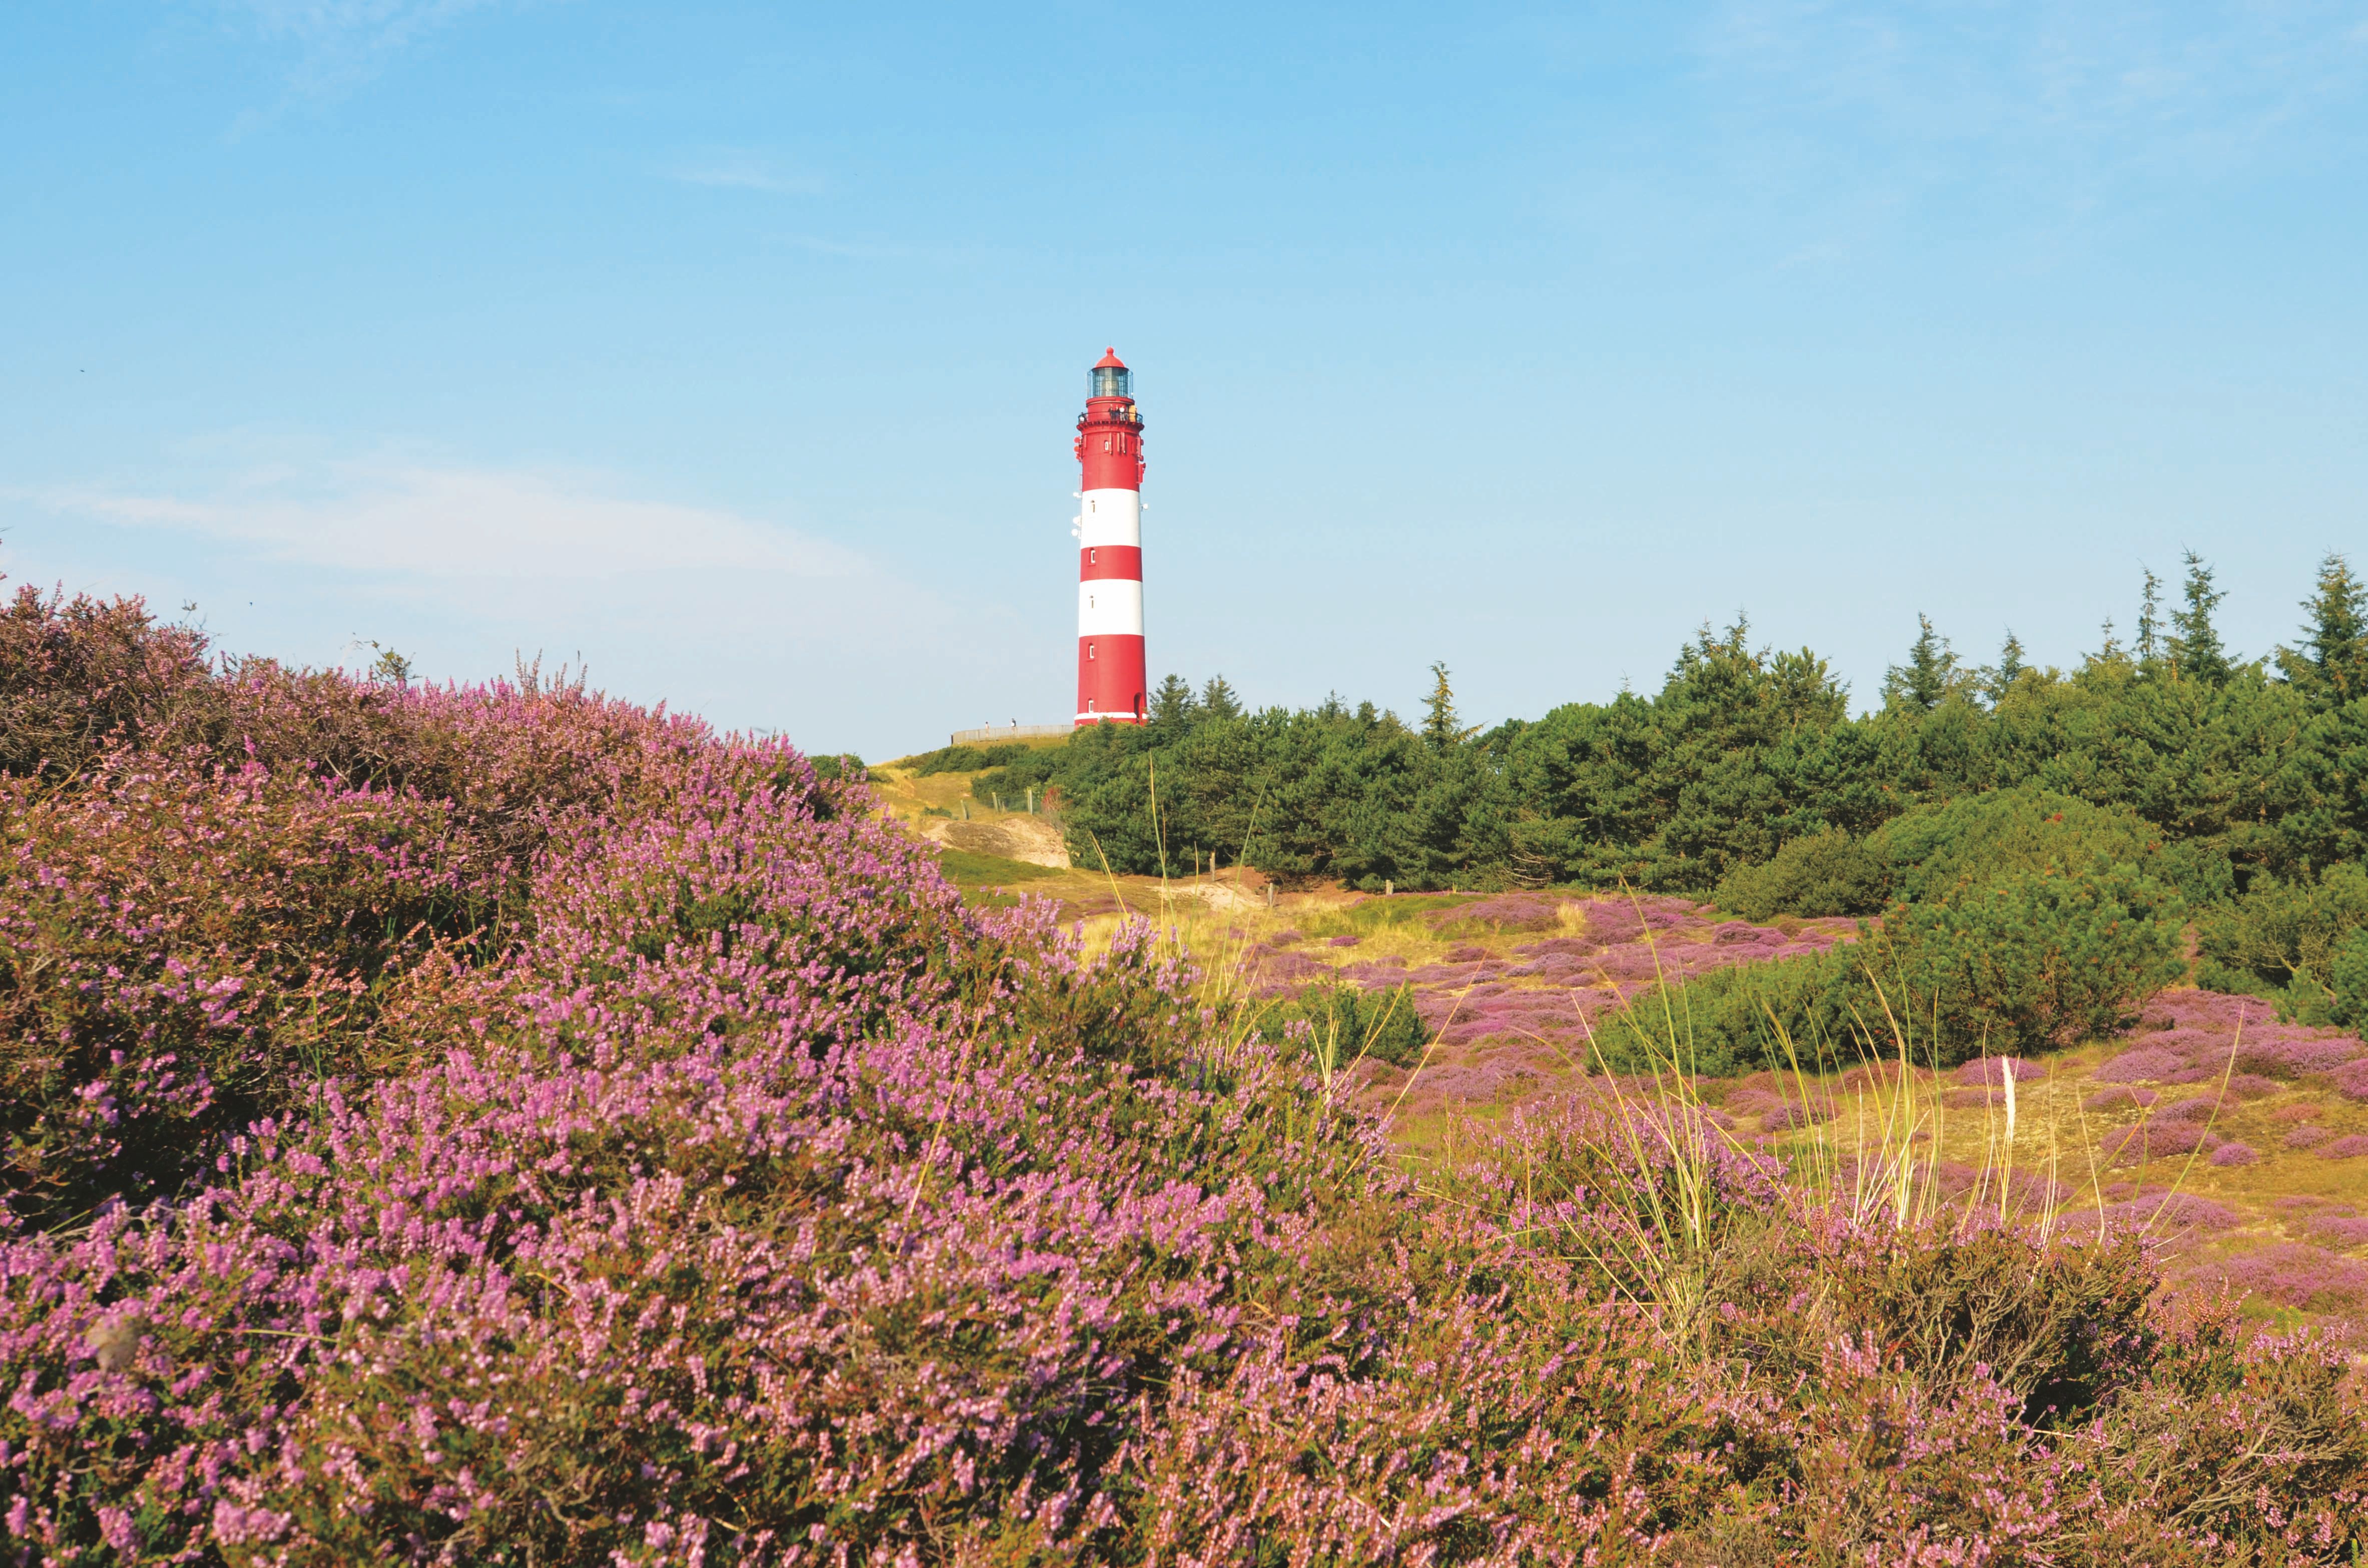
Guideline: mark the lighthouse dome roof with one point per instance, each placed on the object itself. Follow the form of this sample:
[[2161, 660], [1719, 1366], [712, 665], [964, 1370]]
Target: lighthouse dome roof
[[1109, 362]]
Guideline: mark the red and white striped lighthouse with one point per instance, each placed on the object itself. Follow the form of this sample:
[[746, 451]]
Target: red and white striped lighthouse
[[1110, 550]]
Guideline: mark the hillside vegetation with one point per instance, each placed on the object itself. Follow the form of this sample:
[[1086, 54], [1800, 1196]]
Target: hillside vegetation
[[2235, 790], [504, 1125]]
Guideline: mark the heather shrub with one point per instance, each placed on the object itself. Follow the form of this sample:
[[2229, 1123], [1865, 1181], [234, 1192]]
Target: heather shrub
[[2234, 1448], [79, 677], [185, 952], [2157, 1141], [616, 1239], [647, 1157], [2060, 1326]]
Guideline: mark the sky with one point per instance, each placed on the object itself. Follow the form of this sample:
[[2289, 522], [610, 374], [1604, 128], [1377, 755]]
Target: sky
[[733, 352]]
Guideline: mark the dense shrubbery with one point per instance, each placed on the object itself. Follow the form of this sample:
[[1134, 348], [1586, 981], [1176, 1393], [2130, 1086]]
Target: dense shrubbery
[[2027, 960], [674, 1170], [1746, 778], [967, 759]]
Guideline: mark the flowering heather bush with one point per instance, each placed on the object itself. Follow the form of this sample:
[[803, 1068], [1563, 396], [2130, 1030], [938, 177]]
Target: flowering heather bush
[[2309, 1135], [2234, 1153], [78, 677], [2165, 1213], [2341, 1230], [2350, 1147], [2350, 1080], [2155, 1141], [2198, 1036], [734, 1195], [2119, 1099], [2306, 1277], [2145, 1064], [186, 950]]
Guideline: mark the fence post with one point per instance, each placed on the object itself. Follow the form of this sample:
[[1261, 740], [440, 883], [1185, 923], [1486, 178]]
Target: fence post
[[1388, 887]]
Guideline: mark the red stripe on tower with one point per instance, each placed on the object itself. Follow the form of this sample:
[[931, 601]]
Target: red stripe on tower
[[1110, 550]]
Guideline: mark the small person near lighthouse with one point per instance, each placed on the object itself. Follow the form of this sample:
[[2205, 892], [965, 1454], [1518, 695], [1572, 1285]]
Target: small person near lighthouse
[[1110, 550]]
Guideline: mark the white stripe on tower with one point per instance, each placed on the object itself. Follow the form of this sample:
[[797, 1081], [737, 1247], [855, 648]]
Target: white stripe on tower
[[1110, 606], [1111, 516]]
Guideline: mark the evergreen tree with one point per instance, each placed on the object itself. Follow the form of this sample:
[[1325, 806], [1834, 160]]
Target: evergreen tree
[[1173, 711], [2149, 645], [2000, 678], [2332, 664], [1218, 701], [1929, 674], [1441, 730], [2196, 649], [2111, 651]]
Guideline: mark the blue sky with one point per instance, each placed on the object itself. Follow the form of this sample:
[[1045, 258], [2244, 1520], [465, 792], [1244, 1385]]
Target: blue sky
[[734, 348]]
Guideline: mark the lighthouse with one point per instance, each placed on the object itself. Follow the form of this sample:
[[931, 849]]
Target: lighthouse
[[1110, 549]]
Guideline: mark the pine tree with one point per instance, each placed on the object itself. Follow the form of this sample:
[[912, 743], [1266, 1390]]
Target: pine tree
[[2195, 650], [1218, 701], [2332, 664], [2150, 645], [1441, 728], [2000, 678], [1173, 711], [1928, 676]]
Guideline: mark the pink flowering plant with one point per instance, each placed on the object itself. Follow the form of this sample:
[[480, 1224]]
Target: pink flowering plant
[[504, 1126]]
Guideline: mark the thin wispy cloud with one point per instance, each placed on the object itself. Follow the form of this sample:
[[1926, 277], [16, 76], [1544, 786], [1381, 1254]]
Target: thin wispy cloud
[[450, 522], [2177, 89], [744, 618], [730, 169], [334, 45]]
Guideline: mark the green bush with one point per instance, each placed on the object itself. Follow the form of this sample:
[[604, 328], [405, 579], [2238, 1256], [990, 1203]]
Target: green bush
[[1824, 873], [1727, 1022], [2347, 979], [2282, 938], [1347, 1022], [2001, 832], [1975, 837], [966, 759], [2026, 963], [1036, 767]]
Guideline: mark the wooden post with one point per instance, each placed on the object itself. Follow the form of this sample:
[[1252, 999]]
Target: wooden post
[[1388, 887], [1031, 800]]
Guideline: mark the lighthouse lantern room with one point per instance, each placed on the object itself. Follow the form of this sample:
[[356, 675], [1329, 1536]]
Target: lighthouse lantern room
[[1110, 549]]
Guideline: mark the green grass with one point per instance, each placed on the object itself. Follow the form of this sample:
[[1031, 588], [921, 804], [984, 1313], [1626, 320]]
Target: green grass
[[967, 869], [1370, 915]]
